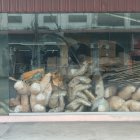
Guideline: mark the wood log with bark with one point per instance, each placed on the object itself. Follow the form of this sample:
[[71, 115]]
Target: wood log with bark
[[24, 91], [78, 92]]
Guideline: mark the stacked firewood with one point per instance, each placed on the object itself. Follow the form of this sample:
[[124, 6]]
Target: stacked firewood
[[80, 94], [123, 94], [40, 92], [38, 95], [123, 99], [77, 92]]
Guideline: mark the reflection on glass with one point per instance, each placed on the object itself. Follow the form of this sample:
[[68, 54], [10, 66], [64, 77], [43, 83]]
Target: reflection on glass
[[4, 65], [76, 62]]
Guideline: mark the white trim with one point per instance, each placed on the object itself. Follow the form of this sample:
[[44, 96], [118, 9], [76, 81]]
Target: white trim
[[71, 117]]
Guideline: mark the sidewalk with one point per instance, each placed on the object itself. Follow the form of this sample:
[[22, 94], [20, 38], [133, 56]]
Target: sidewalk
[[70, 131]]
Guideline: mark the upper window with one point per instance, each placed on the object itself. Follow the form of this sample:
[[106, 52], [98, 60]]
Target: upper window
[[14, 19], [50, 19], [106, 19], [135, 18], [77, 18]]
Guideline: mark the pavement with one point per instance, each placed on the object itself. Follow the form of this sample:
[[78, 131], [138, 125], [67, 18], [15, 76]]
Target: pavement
[[70, 131]]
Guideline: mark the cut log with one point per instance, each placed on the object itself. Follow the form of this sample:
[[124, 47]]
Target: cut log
[[24, 106], [81, 87], [39, 108], [77, 103], [89, 95], [47, 92], [103, 106], [22, 88], [136, 95], [41, 99], [79, 72], [57, 79], [127, 92], [116, 103], [81, 108], [79, 79], [28, 75], [110, 91], [45, 82], [55, 98], [60, 107], [100, 105], [35, 88]]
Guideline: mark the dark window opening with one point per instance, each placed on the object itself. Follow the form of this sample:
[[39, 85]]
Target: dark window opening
[[50, 19], [77, 18], [14, 19], [110, 20], [135, 18]]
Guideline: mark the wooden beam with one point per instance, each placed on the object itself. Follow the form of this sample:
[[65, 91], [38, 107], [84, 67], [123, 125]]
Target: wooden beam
[[63, 59]]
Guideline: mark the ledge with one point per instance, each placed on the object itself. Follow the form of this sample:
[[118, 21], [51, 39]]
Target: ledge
[[70, 117]]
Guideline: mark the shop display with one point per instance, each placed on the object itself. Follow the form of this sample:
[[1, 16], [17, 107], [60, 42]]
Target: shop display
[[70, 70], [77, 91]]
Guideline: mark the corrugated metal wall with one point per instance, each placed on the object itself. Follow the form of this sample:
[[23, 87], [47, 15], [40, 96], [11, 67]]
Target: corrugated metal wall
[[29, 6]]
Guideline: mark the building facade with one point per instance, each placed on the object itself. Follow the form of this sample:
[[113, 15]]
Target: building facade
[[92, 38]]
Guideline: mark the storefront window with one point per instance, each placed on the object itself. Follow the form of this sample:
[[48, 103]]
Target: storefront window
[[58, 63]]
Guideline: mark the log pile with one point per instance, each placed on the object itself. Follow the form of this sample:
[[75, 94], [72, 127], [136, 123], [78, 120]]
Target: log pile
[[123, 99], [77, 92], [125, 74], [123, 94]]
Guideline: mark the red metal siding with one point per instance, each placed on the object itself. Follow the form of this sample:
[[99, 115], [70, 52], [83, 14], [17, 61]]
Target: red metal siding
[[29, 6]]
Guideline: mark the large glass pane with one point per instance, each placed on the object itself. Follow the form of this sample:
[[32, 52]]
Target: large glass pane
[[74, 62], [4, 66]]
